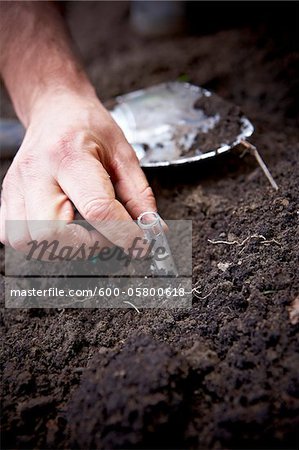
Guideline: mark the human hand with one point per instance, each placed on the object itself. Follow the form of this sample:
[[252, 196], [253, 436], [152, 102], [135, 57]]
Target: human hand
[[73, 153]]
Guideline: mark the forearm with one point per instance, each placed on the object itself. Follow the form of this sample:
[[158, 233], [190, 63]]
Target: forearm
[[37, 58]]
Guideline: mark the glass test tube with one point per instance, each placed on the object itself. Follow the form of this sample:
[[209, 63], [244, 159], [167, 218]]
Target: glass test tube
[[162, 262]]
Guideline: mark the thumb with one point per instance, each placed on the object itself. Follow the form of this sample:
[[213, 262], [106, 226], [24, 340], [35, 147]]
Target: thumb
[[130, 183]]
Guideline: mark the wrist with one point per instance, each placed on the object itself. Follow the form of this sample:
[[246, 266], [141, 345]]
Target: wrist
[[59, 96], [60, 88], [39, 62]]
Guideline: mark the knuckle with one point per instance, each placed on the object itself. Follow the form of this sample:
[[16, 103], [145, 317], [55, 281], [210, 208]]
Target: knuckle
[[145, 198], [96, 209], [126, 151], [26, 164], [124, 157], [71, 149], [131, 156], [110, 131], [117, 164], [64, 151], [148, 194]]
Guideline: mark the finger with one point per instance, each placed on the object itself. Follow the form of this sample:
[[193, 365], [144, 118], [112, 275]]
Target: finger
[[45, 200], [130, 183], [50, 213], [87, 184], [14, 229]]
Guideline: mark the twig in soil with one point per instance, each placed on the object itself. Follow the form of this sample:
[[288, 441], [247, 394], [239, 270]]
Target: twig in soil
[[255, 153], [223, 242], [196, 293], [270, 242], [135, 307], [237, 243]]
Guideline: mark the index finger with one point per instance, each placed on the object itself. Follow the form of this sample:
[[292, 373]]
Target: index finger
[[88, 186]]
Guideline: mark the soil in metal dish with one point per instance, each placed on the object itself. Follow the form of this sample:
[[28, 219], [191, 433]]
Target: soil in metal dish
[[223, 374], [225, 131]]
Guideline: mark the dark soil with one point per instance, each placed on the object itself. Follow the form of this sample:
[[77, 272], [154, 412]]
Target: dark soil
[[225, 373], [225, 131]]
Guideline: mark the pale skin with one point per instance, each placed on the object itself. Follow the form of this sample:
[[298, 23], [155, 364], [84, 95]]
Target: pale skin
[[73, 153]]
